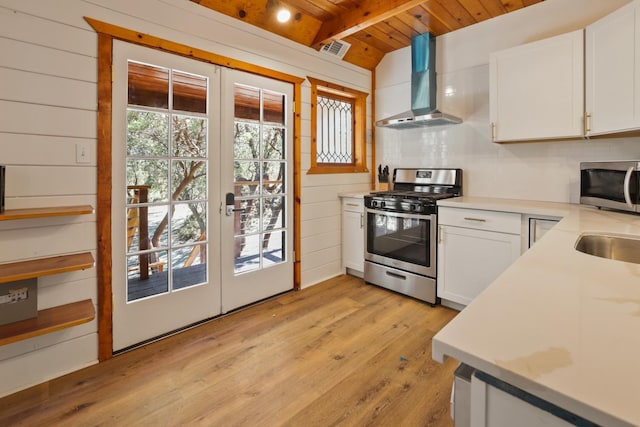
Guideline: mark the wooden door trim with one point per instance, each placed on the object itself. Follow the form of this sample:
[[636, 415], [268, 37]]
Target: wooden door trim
[[106, 34]]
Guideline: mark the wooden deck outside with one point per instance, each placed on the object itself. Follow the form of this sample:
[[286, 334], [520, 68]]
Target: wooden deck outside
[[158, 282]]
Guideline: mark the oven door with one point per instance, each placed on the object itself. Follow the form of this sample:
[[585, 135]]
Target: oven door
[[402, 240]]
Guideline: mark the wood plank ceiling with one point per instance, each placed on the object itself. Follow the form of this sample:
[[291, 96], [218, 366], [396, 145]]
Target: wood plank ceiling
[[372, 27]]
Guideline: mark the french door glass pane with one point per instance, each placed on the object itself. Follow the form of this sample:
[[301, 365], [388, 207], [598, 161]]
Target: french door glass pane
[[188, 180], [189, 136], [148, 85], [274, 248], [247, 254], [189, 92], [141, 237], [274, 107], [247, 178], [273, 174], [147, 133], [246, 140], [158, 281], [151, 174], [247, 102], [193, 272], [247, 217], [259, 174], [167, 192], [273, 213], [188, 222], [273, 140]]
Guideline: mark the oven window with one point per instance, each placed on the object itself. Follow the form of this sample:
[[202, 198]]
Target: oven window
[[403, 239]]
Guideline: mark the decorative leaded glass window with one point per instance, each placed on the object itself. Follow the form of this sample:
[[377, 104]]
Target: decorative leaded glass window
[[334, 133], [338, 120]]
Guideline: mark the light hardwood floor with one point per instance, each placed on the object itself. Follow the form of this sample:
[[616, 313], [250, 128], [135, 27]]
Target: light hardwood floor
[[341, 353]]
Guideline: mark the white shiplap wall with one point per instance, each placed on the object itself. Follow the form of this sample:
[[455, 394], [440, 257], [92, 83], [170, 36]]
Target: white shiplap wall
[[48, 105], [538, 171]]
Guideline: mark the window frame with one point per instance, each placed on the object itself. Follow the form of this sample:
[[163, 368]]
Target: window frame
[[359, 128]]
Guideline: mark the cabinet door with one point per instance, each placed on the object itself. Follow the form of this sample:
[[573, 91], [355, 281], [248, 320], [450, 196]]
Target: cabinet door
[[536, 90], [492, 407], [353, 234], [612, 90], [469, 260]]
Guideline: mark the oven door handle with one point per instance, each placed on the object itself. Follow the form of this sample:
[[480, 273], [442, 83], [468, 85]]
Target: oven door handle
[[400, 214], [396, 275]]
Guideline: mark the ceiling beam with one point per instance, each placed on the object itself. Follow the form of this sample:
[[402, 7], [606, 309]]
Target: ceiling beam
[[365, 14]]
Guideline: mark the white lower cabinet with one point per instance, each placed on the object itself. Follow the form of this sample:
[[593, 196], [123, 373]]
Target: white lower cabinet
[[505, 406], [474, 248], [353, 235]]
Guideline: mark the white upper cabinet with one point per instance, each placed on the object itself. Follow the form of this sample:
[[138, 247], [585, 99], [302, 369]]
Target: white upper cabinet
[[537, 90], [612, 72]]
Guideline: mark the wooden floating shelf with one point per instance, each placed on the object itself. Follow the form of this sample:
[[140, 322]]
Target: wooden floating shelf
[[29, 213], [22, 270], [49, 320]]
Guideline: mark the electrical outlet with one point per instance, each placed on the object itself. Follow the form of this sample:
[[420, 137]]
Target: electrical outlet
[[14, 296], [82, 152], [19, 294]]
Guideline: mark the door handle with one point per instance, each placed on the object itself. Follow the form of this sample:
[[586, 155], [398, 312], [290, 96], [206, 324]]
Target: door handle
[[230, 202]]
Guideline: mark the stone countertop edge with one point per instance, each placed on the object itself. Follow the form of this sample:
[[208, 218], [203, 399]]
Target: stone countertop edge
[[354, 194], [559, 324], [530, 207]]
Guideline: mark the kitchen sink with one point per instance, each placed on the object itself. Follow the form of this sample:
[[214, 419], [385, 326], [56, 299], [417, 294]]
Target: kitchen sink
[[612, 246]]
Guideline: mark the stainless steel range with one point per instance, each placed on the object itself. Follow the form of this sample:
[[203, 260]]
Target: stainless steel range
[[400, 246]]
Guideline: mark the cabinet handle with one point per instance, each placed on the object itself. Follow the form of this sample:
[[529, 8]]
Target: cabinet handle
[[493, 131], [439, 234], [468, 218], [361, 220], [587, 123], [355, 205]]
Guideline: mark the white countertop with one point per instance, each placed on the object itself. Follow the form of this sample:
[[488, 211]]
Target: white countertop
[[530, 207], [560, 324]]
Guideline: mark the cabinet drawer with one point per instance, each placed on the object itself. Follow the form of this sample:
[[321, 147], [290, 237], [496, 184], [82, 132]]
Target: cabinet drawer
[[503, 222], [352, 204]]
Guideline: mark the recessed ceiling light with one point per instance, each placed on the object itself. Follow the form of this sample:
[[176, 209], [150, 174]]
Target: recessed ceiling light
[[283, 15]]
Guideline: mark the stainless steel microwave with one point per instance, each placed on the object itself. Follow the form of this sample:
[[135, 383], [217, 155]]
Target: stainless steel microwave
[[613, 185]]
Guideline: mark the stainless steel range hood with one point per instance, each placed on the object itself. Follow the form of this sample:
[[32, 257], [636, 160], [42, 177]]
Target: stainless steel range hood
[[423, 89]]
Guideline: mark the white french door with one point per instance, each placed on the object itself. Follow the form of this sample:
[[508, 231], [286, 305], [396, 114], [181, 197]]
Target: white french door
[[257, 179], [190, 138]]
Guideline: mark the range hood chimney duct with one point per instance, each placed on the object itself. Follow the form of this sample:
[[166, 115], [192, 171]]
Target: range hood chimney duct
[[423, 89]]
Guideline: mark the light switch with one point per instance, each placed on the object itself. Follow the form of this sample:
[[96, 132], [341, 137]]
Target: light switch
[[82, 152]]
